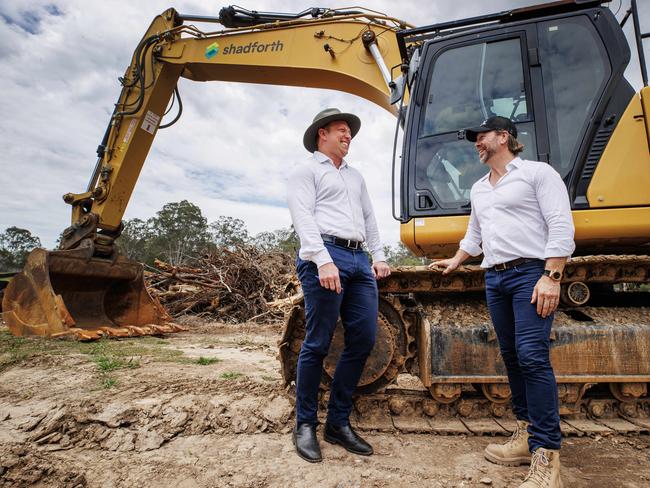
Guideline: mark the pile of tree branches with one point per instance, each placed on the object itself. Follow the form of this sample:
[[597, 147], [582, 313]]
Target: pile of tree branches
[[229, 285]]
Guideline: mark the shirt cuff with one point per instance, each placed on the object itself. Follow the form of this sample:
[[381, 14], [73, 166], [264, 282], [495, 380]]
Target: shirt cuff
[[558, 250], [321, 257], [470, 248]]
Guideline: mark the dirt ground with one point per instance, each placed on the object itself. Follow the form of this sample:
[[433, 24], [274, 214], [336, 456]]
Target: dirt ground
[[206, 408]]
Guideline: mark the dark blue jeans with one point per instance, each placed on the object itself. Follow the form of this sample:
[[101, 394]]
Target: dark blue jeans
[[357, 306], [524, 339]]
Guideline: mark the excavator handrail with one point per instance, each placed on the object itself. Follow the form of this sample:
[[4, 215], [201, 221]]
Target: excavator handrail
[[238, 17], [507, 16], [373, 19]]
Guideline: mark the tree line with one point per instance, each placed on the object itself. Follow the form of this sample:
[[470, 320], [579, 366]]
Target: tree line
[[177, 234]]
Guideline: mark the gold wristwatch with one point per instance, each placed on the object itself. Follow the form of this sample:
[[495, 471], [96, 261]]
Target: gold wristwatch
[[554, 274]]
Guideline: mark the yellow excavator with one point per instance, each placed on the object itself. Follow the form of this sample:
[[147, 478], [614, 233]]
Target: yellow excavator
[[555, 69]]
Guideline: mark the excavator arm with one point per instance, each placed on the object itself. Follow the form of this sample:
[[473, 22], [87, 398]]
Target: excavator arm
[[86, 288], [329, 51]]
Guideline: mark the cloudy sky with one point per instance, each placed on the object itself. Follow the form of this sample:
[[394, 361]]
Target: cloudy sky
[[230, 152]]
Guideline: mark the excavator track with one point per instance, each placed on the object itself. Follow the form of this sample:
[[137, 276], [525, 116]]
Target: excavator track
[[412, 389], [414, 411], [590, 270], [394, 347]]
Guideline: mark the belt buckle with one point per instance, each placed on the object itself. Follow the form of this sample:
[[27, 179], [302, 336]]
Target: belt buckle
[[500, 267]]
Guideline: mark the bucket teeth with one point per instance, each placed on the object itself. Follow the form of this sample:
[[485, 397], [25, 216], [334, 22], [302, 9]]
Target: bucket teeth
[[80, 334], [126, 331]]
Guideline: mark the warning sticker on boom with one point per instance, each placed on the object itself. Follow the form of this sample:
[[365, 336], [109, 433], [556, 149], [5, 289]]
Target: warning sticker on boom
[[150, 122]]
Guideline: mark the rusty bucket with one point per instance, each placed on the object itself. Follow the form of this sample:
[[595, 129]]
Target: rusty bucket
[[59, 293]]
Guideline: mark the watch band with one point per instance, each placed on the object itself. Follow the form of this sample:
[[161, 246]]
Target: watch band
[[554, 274]]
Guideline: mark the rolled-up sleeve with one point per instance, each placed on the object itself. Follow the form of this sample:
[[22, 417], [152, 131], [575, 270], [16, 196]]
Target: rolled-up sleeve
[[556, 209], [301, 198], [471, 243], [372, 231]]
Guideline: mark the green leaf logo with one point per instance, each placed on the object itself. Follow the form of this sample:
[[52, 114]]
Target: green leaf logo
[[212, 50]]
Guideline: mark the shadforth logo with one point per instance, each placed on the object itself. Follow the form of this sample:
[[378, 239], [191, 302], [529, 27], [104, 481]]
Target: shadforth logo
[[254, 47], [212, 50]]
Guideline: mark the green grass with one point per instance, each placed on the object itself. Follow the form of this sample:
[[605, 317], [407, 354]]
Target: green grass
[[207, 361], [109, 382], [239, 340], [14, 350], [107, 354], [231, 375], [106, 363], [266, 377]]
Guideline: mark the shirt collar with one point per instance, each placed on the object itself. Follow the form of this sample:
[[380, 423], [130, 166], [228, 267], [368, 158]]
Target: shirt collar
[[319, 157], [515, 163]]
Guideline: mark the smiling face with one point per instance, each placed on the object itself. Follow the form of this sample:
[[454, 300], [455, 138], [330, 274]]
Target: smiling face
[[334, 140], [488, 144]]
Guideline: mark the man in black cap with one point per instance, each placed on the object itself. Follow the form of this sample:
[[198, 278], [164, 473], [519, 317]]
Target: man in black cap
[[521, 222], [333, 216]]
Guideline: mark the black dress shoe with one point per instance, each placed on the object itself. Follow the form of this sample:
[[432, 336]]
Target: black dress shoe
[[348, 438], [306, 442]]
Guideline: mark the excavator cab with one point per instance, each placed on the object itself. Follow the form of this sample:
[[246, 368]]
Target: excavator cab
[[556, 71]]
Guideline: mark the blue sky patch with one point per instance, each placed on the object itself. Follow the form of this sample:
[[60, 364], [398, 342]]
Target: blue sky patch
[[30, 20]]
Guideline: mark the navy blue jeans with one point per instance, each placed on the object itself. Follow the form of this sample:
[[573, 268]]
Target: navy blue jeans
[[357, 306], [524, 339]]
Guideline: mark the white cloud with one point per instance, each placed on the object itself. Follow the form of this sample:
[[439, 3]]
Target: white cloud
[[229, 153]]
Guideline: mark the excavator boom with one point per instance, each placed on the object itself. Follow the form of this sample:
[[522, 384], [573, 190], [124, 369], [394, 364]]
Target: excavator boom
[[85, 288]]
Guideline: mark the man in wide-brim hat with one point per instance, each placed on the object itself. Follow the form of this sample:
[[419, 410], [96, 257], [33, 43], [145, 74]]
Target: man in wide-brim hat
[[333, 216]]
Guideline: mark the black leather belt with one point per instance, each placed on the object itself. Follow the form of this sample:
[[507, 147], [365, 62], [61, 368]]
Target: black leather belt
[[512, 264], [341, 242]]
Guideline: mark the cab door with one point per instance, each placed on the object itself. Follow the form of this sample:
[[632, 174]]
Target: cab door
[[462, 82]]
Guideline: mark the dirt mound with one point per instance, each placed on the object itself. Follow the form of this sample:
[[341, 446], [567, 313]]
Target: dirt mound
[[21, 467], [145, 418]]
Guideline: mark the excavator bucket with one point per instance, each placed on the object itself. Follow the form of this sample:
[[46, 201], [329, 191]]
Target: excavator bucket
[[60, 293]]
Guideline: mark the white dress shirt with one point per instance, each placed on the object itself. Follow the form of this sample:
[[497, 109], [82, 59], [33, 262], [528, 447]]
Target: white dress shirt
[[326, 200], [527, 214]]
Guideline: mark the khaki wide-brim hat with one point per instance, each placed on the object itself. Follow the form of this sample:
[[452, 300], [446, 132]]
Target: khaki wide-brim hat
[[322, 119]]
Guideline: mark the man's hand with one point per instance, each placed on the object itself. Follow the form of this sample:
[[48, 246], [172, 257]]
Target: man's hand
[[328, 274], [547, 296], [449, 265], [380, 269]]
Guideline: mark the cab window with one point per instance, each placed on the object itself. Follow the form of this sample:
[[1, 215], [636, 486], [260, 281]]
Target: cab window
[[468, 84]]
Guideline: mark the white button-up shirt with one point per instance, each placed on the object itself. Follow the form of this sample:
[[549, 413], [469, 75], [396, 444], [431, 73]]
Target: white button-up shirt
[[527, 214], [326, 200]]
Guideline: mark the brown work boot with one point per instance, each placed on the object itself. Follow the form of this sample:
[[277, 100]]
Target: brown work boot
[[514, 452], [544, 470]]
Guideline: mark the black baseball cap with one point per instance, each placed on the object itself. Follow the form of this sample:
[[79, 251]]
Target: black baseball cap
[[493, 123]]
